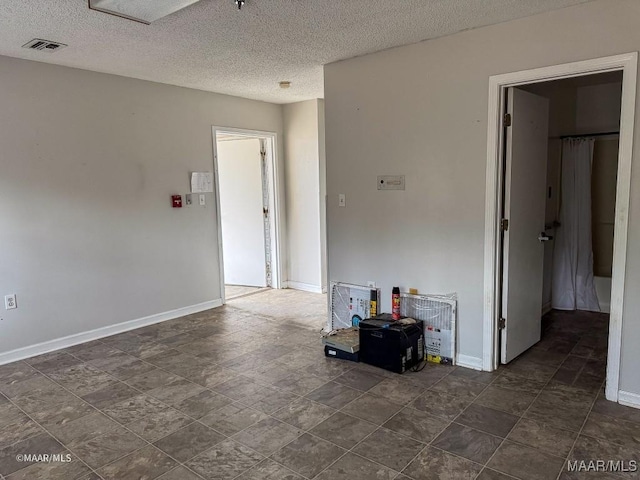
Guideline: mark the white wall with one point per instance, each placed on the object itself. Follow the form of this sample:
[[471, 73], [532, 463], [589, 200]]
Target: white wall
[[421, 111], [241, 215], [304, 153], [88, 162]]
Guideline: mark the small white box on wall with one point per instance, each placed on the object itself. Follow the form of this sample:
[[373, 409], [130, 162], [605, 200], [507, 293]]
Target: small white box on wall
[[201, 182]]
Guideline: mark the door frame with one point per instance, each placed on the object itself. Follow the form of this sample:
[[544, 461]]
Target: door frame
[[628, 64], [275, 182]]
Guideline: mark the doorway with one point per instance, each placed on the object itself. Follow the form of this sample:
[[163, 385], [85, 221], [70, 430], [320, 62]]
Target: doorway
[[246, 179], [516, 214]]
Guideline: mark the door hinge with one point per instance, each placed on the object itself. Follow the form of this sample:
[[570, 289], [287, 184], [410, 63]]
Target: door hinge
[[504, 224], [506, 121], [502, 323]]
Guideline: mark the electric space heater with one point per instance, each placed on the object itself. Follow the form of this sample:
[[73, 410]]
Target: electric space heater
[[349, 304], [438, 313]]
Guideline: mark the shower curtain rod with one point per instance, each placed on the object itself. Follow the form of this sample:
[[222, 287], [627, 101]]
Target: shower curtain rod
[[589, 135]]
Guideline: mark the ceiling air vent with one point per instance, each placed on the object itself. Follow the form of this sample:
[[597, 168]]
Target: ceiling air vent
[[44, 45]]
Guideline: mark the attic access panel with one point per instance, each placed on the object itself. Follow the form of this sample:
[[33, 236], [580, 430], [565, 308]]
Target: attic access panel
[[142, 11]]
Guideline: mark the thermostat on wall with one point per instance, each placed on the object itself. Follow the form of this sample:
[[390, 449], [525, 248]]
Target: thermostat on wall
[[391, 182]]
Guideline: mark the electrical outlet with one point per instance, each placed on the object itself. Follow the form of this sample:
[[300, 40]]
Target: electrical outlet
[[10, 302]]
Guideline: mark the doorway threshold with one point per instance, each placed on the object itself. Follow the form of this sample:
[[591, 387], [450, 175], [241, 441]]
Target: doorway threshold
[[239, 291]]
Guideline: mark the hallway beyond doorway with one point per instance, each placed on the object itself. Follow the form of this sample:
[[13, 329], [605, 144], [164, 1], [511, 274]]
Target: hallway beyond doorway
[[286, 306], [573, 349]]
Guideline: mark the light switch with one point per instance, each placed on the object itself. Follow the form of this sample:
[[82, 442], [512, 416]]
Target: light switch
[[342, 200], [202, 199]]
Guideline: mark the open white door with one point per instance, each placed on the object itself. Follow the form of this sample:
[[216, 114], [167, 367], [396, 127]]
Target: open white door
[[524, 208], [241, 211]]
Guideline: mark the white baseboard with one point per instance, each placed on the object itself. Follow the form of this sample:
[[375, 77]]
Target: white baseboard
[[605, 307], [546, 308], [467, 361], [305, 287], [75, 339], [629, 399]]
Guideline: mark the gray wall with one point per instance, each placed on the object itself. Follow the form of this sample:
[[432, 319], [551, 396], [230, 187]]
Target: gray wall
[[304, 191], [323, 192], [88, 162], [421, 111]]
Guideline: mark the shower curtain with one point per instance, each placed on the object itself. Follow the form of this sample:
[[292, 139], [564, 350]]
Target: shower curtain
[[573, 287]]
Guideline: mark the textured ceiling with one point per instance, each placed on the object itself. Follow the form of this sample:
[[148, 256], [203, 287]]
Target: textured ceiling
[[212, 46]]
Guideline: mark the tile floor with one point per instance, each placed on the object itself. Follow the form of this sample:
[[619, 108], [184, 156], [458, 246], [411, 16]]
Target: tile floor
[[244, 392]]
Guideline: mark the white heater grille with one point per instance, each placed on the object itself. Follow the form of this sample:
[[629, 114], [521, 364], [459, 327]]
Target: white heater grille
[[438, 312], [349, 302]]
